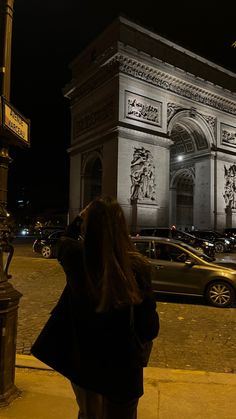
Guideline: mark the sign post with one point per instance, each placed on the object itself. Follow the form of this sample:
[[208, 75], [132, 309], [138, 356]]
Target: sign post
[[14, 127], [14, 130]]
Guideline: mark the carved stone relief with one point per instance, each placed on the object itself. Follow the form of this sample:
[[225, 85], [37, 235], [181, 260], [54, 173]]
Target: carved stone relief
[[142, 175], [230, 186], [228, 135], [211, 120], [165, 81], [143, 109], [172, 109]]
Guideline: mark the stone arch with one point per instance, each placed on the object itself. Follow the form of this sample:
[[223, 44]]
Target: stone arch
[[91, 177], [182, 199], [192, 118], [190, 161]]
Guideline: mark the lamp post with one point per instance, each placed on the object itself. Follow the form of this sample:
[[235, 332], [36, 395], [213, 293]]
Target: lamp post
[[9, 297]]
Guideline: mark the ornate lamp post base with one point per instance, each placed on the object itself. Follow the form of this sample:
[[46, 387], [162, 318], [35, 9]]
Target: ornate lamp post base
[[9, 301]]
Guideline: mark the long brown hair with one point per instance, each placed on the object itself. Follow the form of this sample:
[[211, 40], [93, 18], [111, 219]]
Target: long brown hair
[[107, 254]]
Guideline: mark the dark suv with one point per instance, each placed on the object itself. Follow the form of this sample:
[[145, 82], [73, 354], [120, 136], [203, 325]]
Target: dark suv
[[222, 243], [200, 244], [230, 232]]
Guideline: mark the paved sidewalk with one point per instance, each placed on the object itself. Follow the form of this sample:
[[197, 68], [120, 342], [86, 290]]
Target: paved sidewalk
[[169, 394]]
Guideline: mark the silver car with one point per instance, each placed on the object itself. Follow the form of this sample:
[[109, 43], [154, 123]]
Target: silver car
[[180, 269]]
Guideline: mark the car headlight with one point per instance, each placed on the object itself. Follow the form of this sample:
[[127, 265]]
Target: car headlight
[[227, 241], [208, 244]]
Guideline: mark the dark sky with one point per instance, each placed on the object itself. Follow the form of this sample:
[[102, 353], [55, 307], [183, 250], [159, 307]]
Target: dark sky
[[48, 34]]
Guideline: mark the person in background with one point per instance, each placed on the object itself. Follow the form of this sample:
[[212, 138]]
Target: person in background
[[8, 248]]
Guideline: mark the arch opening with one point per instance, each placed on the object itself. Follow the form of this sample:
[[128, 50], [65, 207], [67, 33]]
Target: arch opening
[[92, 180], [191, 146], [184, 189]]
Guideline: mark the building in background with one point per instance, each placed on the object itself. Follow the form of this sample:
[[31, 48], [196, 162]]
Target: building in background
[[154, 125]]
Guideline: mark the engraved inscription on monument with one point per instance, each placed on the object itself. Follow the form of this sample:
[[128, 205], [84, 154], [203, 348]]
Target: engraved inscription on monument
[[142, 109], [228, 135]]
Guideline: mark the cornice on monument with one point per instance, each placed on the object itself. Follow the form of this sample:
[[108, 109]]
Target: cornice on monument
[[134, 135], [174, 70], [88, 141], [146, 41], [142, 71], [79, 88]]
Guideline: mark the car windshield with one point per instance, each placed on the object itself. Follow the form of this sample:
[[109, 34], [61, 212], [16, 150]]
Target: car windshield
[[145, 247], [55, 235], [217, 234], [184, 235], [196, 252]]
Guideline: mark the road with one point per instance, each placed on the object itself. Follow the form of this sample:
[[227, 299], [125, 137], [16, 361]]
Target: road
[[192, 335]]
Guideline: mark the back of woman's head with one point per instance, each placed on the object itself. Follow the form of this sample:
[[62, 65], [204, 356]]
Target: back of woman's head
[[107, 260], [73, 230]]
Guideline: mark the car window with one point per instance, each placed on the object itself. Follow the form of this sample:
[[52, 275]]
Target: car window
[[162, 232], [56, 235], [162, 251], [147, 248], [147, 232], [143, 247], [231, 231], [177, 234], [168, 252], [196, 252]]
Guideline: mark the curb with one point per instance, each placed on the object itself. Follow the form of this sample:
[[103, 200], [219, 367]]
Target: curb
[[29, 361], [151, 374]]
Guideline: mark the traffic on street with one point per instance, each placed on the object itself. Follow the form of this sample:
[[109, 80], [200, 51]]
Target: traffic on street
[[193, 335]]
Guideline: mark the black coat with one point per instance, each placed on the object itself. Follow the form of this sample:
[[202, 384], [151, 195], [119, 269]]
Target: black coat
[[93, 349]]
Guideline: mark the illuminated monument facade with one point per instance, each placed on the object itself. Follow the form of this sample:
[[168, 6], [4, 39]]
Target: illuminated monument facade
[[154, 125]]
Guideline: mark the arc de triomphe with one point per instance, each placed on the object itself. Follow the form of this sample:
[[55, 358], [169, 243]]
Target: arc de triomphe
[[154, 125]]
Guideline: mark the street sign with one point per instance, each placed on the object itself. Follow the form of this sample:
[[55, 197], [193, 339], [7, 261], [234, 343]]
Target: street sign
[[14, 126]]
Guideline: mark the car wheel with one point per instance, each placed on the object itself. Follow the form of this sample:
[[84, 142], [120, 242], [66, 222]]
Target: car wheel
[[46, 252], [220, 294], [219, 247]]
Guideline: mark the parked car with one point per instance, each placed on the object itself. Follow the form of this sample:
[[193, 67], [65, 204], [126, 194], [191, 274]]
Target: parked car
[[231, 234], [230, 230], [46, 230], [46, 245], [180, 269], [202, 245], [222, 244]]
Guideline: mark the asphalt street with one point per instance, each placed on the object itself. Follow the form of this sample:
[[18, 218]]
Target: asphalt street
[[193, 336]]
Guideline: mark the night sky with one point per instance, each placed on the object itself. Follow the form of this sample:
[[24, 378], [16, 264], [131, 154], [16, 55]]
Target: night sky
[[48, 35]]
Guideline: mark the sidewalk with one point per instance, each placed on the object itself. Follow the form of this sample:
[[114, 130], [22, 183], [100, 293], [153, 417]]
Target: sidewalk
[[169, 394]]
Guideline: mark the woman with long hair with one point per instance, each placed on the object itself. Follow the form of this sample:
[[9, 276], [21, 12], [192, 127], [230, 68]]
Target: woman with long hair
[[108, 284]]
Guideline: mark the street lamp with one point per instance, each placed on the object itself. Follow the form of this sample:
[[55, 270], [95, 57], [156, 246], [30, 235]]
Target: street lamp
[[14, 130]]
